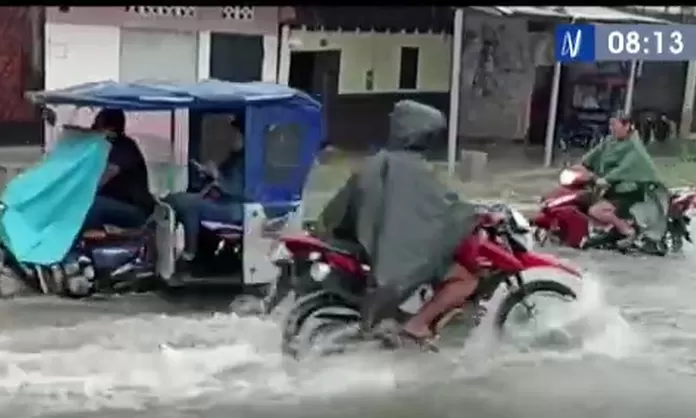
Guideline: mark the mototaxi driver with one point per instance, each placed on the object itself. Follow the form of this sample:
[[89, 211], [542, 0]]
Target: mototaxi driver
[[221, 201], [452, 236], [623, 168], [123, 198]]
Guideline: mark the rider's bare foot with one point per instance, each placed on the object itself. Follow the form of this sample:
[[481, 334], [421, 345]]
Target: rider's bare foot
[[420, 333], [627, 240], [423, 340]]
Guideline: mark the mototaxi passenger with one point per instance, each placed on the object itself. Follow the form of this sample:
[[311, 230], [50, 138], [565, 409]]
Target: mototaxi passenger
[[407, 223], [123, 198], [219, 201], [624, 168]]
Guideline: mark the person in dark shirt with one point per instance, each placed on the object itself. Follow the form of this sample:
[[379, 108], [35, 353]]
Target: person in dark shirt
[[123, 198], [221, 202]]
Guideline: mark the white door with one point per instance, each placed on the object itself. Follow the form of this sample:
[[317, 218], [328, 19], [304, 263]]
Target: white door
[[160, 55]]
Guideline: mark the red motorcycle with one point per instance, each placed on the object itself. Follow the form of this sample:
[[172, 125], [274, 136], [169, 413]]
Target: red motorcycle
[[331, 278], [564, 218]]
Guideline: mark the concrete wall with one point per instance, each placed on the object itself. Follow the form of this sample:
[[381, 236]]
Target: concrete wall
[[498, 70], [380, 52]]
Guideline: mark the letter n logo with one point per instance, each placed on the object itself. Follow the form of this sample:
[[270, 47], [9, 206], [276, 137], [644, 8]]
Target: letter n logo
[[574, 43]]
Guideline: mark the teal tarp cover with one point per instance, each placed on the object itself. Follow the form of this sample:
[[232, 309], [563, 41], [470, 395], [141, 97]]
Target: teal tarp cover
[[46, 205]]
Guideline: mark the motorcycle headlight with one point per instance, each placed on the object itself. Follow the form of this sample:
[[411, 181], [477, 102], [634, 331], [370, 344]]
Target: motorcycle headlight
[[319, 271], [567, 177]]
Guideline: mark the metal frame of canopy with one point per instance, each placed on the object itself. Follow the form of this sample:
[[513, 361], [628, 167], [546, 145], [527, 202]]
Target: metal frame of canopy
[[572, 14], [163, 96]]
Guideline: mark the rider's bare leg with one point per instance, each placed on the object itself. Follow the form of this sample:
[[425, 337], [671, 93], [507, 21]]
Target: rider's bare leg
[[459, 284], [605, 212]]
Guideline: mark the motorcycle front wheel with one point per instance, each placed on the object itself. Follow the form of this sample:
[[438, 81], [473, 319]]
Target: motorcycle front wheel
[[520, 298]]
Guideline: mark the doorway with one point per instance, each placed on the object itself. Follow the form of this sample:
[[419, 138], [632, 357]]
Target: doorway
[[541, 96], [316, 73]]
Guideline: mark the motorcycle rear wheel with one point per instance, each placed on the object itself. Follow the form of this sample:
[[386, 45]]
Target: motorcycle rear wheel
[[312, 316]]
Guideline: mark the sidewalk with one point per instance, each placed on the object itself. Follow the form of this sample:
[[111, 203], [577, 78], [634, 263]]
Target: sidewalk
[[520, 186]]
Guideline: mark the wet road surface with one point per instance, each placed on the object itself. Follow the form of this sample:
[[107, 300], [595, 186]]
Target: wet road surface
[[138, 356]]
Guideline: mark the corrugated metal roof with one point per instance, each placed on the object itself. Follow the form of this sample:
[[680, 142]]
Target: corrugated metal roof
[[519, 10], [541, 11], [607, 14], [586, 13]]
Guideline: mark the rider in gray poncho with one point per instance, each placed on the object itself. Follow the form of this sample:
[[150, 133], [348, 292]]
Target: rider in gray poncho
[[407, 222]]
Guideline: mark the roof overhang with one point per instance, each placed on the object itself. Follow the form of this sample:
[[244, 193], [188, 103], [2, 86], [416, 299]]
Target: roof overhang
[[595, 14]]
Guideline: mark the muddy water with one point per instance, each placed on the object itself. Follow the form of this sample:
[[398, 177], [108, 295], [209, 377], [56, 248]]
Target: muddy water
[[634, 355]]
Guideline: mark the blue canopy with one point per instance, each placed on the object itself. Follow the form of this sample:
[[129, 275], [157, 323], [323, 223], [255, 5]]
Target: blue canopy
[[162, 95]]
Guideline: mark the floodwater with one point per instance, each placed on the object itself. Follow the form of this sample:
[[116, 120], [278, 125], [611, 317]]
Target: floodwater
[[137, 356]]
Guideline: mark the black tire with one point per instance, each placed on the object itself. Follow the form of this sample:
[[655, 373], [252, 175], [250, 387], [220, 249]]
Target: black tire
[[530, 288], [326, 337], [304, 308], [676, 242]]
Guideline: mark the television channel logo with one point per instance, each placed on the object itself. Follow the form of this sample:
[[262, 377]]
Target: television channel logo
[[575, 43]]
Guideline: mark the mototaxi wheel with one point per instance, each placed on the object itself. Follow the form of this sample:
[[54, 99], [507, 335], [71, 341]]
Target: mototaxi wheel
[[521, 294], [319, 315], [676, 242]]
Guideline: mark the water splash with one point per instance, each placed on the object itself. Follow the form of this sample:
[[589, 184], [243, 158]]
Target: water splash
[[156, 359]]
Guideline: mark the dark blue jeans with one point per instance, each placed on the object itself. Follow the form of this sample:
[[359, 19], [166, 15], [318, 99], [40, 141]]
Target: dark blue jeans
[[192, 208], [106, 210]]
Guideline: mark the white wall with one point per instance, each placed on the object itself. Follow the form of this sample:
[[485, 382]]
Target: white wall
[[80, 53], [76, 54], [380, 52], [270, 59]]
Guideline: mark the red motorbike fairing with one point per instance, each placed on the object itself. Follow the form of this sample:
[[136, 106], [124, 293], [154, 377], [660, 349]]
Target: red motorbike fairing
[[571, 224], [561, 213], [298, 244], [499, 257], [531, 260], [474, 252], [560, 191]]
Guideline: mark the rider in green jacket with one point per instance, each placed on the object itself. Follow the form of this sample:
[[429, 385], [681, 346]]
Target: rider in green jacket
[[625, 169]]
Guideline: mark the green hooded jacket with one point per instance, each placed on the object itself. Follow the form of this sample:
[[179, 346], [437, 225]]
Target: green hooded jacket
[[624, 164]]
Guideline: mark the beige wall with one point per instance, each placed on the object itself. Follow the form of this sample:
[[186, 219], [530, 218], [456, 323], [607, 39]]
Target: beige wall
[[501, 111], [380, 52]]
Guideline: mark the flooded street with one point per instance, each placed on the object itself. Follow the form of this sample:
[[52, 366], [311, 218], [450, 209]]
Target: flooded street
[[138, 356]]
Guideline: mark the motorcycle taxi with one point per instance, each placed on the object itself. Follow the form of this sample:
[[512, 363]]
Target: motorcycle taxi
[[46, 250]]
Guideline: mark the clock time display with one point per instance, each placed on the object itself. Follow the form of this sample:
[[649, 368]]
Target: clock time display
[[645, 42]]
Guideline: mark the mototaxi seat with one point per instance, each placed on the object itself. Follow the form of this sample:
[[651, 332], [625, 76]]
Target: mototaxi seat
[[348, 247], [229, 232], [111, 232]]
